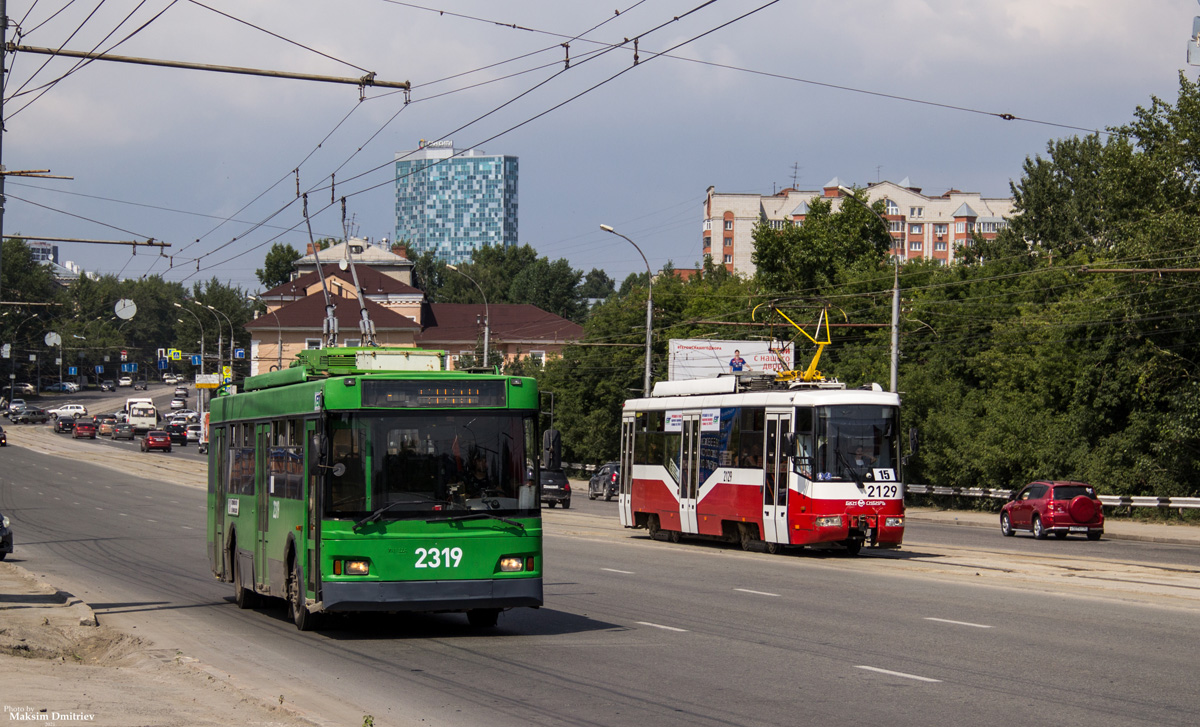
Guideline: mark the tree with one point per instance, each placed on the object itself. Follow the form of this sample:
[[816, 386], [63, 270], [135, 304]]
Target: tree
[[278, 266], [597, 285]]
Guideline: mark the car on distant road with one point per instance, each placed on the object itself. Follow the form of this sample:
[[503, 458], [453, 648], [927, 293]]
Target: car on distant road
[[181, 392], [605, 482], [64, 424], [170, 379], [108, 385], [191, 415], [556, 490], [71, 410], [1053, 506], [194, 431], [178, 403], [122, 430], [139, 385], [64, 386], [30, 415], [84, 429], [177, 433], [105, 424], [125, 381], [156, 439], [24, 390], [15, 406]]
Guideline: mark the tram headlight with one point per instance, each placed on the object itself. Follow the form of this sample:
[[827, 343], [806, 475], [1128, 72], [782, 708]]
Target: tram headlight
[[830, 521], [894, 522], [512, 564], [358, 568]]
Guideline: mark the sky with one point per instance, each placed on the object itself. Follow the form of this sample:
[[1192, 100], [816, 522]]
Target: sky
[[743, 95]]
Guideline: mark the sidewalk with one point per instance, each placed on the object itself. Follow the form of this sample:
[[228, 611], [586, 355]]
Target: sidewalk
[[1114, 528]]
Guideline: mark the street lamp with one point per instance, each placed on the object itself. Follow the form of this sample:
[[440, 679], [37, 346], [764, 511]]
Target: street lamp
[[649, 302], [486, 312], [278, 332], [232, 334], [887, 229], [198, 323], [220, 336], [12, 377]]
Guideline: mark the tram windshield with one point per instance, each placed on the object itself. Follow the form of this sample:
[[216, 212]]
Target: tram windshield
[[854, 442], [422, 465]]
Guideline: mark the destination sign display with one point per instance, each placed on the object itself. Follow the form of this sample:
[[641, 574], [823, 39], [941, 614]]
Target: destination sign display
[[421, 394]]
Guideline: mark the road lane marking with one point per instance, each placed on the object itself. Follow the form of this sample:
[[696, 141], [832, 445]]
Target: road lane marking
[[185, 527], [757, 593], [897, 673], [614, 570], [957, 623], [660, 626]]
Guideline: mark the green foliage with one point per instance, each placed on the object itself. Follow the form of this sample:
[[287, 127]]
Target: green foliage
[[278, 266]]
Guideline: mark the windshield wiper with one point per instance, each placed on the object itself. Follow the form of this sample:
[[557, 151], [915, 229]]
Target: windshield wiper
[[415, 499], [474, 515], [858, 480]]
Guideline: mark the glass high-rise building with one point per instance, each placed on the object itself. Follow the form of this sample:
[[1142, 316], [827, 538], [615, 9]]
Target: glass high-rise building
[[453, 204]]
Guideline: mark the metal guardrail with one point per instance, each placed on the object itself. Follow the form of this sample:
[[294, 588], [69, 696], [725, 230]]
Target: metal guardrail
[[1183, 503]]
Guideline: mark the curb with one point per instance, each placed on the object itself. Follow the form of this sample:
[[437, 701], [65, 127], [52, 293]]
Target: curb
[[1108, 534]]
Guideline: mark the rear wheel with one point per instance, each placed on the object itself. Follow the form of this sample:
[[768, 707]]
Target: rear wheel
[[746, 536], [774, 548], [1038, 531], [652, 527], [675, 536], [591, 495], [1094, 534], [566, 504], [608, 498], [483, 618], [1006, 527], [245, 597]]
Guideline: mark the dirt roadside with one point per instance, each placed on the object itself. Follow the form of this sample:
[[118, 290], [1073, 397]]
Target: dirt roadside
[[59, 667]]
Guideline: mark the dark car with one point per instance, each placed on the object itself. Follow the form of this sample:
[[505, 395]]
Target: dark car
[[139, 385], [108, 385], [1055, 507], [177, 433], [156, 439], [6, 536], [64, 424], [556, 490], [3, 438], [605, 482], [15, 406], [30, 415], [84, 429], [123, 430]]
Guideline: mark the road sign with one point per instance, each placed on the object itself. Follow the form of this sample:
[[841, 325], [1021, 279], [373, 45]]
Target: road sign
[[239, 353], [227, 374], [162, 364], [6, 350], [99, 368], [195, 359], [124, 355], [175, 354], [208, 381], [72, 371]]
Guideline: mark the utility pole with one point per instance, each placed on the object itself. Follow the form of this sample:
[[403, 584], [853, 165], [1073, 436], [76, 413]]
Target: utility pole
[[3, 79]]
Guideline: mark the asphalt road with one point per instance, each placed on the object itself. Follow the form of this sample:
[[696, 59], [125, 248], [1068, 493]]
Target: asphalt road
[[636, 632]]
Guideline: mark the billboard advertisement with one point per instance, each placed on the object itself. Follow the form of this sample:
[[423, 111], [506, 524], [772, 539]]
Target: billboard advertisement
[[701, 358]]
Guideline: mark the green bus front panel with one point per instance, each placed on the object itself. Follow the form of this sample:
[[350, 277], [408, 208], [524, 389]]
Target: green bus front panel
[[419, 566]]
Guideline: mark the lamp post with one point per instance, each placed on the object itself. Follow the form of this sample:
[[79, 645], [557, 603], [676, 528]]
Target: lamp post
[[649, 303], [895, 367], [486, 312], [198, 323], [278, 333], [12, 377], [220, 336], [232, 335]]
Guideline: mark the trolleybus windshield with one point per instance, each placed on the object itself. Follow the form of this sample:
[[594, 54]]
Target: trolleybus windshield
[[854, 442], [412, 465]]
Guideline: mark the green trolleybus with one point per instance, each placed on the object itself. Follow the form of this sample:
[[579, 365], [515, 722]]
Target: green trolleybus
[[369, 479]]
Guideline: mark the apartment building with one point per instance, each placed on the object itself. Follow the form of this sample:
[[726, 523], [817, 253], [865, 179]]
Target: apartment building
[[922, 227]]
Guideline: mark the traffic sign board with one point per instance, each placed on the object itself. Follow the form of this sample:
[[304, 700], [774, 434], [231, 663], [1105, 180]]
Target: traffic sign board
[[239, 353], [195, 359], [72, 371]]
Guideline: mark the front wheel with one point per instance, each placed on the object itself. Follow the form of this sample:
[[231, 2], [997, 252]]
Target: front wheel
[[1038, 531], [853, 547], [1006, 527], [298, 612]]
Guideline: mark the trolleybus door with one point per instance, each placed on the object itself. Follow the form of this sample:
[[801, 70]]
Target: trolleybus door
[[218, 478], [689, 473], [624, 495], [775, 479], [262, 441]]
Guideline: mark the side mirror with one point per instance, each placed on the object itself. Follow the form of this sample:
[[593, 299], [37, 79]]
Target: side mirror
[[551, 450]]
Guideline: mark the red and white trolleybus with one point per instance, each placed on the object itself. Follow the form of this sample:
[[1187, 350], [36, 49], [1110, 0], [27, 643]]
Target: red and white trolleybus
[[765, 462]]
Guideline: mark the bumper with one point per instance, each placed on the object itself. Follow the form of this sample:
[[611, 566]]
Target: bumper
[[431, 595]]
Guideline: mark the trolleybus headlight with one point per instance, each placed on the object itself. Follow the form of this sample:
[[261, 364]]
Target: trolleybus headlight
[[512, 564], [357, 568], [894, 522], [830, 521]]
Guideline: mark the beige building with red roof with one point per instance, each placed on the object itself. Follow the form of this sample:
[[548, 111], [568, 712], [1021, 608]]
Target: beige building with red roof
[[295, 315]]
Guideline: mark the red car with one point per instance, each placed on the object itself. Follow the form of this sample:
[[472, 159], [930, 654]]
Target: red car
[[1055, 507], [84, 429], [156, 439]]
